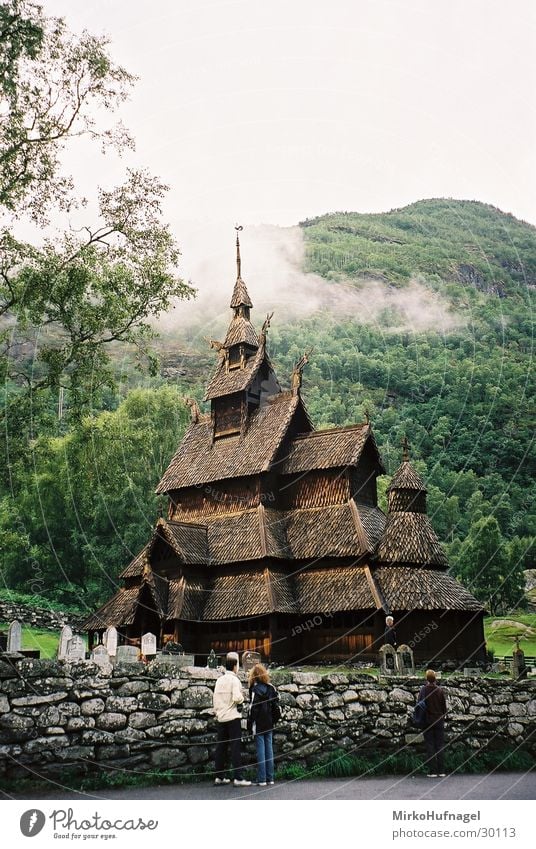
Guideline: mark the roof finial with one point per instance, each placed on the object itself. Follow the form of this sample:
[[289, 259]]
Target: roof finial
[[405, 449], [297, 371], [238, 228]]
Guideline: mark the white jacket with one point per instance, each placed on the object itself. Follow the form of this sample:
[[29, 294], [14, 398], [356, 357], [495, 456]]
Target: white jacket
[[227, 695]]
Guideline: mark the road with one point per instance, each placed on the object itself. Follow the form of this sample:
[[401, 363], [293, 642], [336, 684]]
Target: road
[[499, 785]]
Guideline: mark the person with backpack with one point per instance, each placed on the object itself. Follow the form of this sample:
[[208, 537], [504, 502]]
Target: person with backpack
[[264, 713], [430, 713]]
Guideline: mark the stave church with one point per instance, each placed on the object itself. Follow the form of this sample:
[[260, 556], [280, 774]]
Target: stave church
[[274, 540]]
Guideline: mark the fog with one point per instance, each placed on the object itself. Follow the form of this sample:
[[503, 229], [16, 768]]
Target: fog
[[273, 261]]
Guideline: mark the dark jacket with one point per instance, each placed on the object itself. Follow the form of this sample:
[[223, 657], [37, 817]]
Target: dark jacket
[[436, 704], [263, 697], [389, 637]]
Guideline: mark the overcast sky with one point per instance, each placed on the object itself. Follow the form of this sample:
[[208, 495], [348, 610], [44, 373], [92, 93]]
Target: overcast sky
[[259, 111]]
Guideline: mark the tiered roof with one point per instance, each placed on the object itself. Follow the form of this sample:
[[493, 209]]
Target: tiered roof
[[409, 537], [269, 559]]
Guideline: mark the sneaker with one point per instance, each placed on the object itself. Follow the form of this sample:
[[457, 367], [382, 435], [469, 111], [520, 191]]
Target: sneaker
[[431, 775], [261, 783], [442, 775], [241, 782], [218, 781], [271, 782]]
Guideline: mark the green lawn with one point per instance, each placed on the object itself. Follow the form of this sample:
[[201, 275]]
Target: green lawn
[[501, 631], [35, 638]]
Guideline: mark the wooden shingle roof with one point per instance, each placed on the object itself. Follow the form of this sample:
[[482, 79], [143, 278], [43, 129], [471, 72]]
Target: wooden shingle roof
[[407, 588], [198, 460], [324, 449], [187, 597], [338, 530], [241, 331], [410, 538], [240, 296], [120, 609], [406, 477], [188, 540], [238, 379], [135, 567], [333, 589], [233, 596], [249, 535]]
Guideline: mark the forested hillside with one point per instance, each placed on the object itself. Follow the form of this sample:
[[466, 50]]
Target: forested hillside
[[76, 512]]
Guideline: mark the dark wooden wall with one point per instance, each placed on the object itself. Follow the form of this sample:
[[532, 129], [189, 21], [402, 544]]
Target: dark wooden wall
[[212, 498], [316, 488]]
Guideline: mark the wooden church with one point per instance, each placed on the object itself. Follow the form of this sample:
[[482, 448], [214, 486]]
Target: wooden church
[[274, 540]]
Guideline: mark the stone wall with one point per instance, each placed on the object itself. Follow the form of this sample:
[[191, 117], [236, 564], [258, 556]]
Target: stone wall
[[55, 715], [37, 617]]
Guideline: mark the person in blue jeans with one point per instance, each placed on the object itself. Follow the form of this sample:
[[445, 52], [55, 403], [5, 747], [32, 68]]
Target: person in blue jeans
[[263, 714]]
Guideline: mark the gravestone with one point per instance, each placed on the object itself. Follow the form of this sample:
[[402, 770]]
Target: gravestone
[[14, 637], [148, 645], [180, 660], [249, 660], [388, 660], [172, 648], [109, 639], [213, 661], [76, 649], [66, 634], [472, 672], [126, 654], [404, 658], [519, 667], [100, 656]]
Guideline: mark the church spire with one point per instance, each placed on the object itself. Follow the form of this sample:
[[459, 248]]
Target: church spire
[[238, 260], [240, 301]]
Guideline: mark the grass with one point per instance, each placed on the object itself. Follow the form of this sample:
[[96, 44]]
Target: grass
[[339, 764], [500, 633], [38, 639]]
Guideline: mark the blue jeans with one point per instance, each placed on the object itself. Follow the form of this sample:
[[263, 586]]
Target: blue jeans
[[265, 757]]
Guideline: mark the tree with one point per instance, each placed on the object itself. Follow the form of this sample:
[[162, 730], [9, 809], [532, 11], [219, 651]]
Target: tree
[[94, 286], [487, 570], [85, 504]]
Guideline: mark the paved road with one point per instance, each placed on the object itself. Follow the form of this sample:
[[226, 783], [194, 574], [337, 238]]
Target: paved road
[[500, 785]]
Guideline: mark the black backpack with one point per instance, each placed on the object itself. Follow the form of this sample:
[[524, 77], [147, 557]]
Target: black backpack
[[265, 711]]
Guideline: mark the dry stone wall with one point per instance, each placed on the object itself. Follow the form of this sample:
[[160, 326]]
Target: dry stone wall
[[37, 617], [55, 715]]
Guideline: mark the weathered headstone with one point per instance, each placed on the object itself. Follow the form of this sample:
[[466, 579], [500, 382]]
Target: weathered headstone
[[213, 661], [472, 672], [387, 660], [404, 658], [148, 645], [100, 656], [172, 648], [76, 649], [249, 660], [519, 667], [66, 634], [126, 654], [180, 660], [14, 637], [109, 639]]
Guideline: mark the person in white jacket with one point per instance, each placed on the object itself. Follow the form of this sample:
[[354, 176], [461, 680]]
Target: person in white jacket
[[227, 696]]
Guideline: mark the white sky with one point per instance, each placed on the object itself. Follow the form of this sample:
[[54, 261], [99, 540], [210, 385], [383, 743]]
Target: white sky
[[277, 110]]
